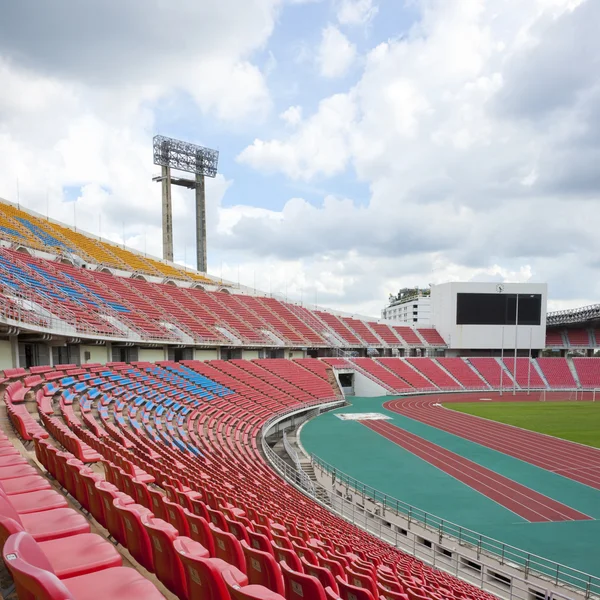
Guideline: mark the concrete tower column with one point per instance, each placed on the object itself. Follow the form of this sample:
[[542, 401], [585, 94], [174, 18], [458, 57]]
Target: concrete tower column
[[200, 224], [167, 214]]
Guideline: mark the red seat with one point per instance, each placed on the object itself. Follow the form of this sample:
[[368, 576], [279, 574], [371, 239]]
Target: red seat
[[34, 577], [137, 539], [23, 485], [35, 502], [289, 557], [200, 531], [175, 516], [167, 563], [248, 592], [71, 555], [324, 575], [353, 592], [299, 586], [262, 569], [228, 548], [18, 470], [204, 575], [46, 525]]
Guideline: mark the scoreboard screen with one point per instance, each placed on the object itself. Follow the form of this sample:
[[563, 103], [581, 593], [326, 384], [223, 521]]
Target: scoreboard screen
[[498, 309]]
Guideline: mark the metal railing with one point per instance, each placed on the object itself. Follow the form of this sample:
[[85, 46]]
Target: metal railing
[[304, 479], [525, 562]]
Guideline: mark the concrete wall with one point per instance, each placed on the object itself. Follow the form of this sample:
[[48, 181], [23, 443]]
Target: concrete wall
[[206, 354], [295, 354], [151, 354], [98, 354], [249, 354], [6, 355], [367, 388]]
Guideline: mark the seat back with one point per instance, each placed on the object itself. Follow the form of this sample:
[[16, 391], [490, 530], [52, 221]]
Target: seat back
[[176, 517], [137, 539], [8, 526], [262, 569], [199, 508], [323, 574], [299, 586], [217, 518], [287, 556], [114, 524], [31, 570], [238, 529], [203, 574], [167, 563], [158, 507], [200, 531], [258, 541], [228, 548], [353, 592], [142, 496], [95, 504]]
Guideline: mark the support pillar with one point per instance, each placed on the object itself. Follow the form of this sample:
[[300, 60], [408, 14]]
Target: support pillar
[[167, 214], [200, 224]]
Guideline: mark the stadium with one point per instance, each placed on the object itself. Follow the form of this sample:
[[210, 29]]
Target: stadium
[[169, 433]]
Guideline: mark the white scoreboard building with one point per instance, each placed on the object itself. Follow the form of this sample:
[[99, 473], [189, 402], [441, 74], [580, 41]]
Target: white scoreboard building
[[490, 316]]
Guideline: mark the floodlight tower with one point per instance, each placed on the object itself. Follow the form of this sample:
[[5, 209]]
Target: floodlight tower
[[182, 156]]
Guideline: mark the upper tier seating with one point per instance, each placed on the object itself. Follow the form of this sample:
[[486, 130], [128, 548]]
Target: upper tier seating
[[579, 337], [492, 372], [383, 376], [20, 226], [386, 333], [408, 335], [463, 373], [554, 338], [588, 371], [431, 336], [191, 429], [527, 375], [557, 372]]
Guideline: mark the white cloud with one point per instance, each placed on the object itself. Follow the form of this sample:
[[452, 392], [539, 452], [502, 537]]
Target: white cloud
[[355, 12], [292, 116], [336, 54]]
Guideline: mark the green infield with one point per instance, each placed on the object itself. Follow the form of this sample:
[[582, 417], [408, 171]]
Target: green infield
[[575, 421]]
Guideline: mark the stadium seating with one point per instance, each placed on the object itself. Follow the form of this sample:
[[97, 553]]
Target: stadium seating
[[431, 336], [434, 373], [579, 338], [588, 371], [554, 339], [408, 335], [383, 376], [463, 373], [527, 375], [557, 372], [191, 428], [21, 226], [491, 370], [412, 377]]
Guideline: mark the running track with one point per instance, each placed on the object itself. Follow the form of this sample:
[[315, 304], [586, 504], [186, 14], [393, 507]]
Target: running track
[[527, 503], [569, 459]]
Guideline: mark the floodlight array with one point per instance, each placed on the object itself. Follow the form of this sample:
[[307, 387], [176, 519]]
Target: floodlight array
[[184, 156], [574, 315]]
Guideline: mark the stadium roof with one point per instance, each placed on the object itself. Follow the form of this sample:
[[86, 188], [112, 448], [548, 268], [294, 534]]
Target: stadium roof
[[573, 316]]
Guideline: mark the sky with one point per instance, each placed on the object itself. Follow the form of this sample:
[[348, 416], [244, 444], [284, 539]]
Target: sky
[[365, 145]]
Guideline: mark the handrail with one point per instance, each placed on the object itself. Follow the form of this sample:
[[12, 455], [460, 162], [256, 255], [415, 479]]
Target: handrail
[[521, 559]]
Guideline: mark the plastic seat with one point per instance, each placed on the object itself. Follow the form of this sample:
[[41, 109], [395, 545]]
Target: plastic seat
[[158, 507], [324, 575], [248, 592], [137, 539], [258, 541], [176, 516], [71, 555], [352, 592], [262, 569], [33, 576], [200, 531], [358, 579], [167, 563], [15, 471], [36, 501], [299, 586], [289, 557], [46, 525], [204, 575], [24, 485], [228, 548]]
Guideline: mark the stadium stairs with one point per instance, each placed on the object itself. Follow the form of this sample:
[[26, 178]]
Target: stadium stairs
[[165, 459]]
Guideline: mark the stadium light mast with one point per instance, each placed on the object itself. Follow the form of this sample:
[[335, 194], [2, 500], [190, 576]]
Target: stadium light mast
[[202, 162]]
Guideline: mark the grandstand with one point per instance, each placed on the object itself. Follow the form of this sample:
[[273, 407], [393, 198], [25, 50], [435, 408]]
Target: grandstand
[[150, 405]]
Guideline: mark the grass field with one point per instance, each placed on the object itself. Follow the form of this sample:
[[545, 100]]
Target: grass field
[[575, 421]]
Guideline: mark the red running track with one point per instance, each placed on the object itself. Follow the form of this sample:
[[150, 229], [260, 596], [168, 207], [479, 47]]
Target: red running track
[[526, 503], [569, 459]]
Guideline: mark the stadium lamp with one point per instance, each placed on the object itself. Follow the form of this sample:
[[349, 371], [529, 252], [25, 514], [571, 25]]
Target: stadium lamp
[[175, 154]]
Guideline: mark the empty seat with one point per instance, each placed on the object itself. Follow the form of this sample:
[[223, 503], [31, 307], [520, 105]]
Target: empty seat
[[34, 576]]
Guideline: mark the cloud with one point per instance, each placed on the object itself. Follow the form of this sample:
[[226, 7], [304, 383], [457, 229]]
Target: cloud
[[336, 54], [355, 12]]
